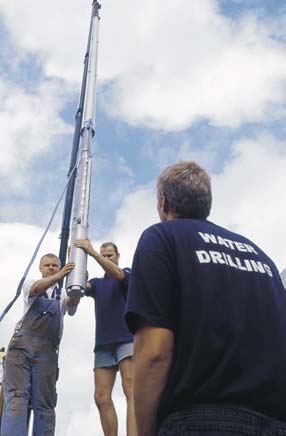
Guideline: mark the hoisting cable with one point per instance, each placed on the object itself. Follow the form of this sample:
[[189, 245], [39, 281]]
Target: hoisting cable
[[20, 285]]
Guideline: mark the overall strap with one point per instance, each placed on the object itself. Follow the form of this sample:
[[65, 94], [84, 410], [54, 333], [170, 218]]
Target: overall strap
[[56, 294]]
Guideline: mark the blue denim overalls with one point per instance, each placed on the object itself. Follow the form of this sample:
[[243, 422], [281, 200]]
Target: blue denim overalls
[[30, 370]]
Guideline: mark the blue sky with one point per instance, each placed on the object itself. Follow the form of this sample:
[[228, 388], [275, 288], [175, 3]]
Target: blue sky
[[127, 154], [233, 8], [202, 80]]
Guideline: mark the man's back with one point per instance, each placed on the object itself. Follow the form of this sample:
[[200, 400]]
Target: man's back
[[224, 300]]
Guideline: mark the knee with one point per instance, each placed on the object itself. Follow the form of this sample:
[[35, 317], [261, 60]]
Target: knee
[[16, 402], [102, 399]]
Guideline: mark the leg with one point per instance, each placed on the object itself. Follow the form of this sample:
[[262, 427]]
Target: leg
[[125, 367], [16, 389], [104, 379], [43, 393]]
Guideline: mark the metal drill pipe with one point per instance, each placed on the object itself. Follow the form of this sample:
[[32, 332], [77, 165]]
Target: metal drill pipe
[[65, 231], [76, 281]]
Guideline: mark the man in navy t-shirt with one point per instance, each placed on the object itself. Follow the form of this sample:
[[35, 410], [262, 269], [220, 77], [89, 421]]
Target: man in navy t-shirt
[[113, 341], [208, 310]]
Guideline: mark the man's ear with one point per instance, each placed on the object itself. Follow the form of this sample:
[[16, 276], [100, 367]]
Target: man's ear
[[163, 204], [164, 211]]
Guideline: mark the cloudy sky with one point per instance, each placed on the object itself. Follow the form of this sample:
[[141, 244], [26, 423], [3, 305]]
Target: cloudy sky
[[202, 80]]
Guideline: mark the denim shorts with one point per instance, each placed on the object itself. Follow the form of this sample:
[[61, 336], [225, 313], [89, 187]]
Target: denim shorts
[[112, 354], [213, 420]]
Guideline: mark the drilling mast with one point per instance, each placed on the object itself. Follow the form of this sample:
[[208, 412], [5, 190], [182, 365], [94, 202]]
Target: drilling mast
[[79, 188]]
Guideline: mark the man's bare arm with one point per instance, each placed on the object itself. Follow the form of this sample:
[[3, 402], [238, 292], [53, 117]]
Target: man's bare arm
[[45, 283], [153, 352], [109, 267]]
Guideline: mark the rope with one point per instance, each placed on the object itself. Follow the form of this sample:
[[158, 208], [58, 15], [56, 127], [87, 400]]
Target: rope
[[20, 285]]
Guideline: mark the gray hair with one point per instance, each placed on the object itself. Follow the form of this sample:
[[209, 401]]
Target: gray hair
[[187, 190]]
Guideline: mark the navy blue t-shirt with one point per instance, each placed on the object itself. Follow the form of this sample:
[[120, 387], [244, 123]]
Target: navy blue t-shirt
[[224, 300], [110, 304]]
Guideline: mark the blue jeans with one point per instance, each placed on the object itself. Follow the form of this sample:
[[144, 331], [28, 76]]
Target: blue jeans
[[212, 420], [30, 372]]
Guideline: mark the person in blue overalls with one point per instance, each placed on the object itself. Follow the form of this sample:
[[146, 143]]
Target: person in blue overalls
[[208, 310], [31, 364]]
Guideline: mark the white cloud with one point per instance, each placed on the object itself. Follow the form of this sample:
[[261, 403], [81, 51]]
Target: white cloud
[[204, 66], [56, 31], [170, 64], [138, 211], [29, 123], [248, 196]]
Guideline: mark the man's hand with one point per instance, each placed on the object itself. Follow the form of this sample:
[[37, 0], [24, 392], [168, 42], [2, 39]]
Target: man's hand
[[111, 268], [44, 283], [86, 245], [65, 270]]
